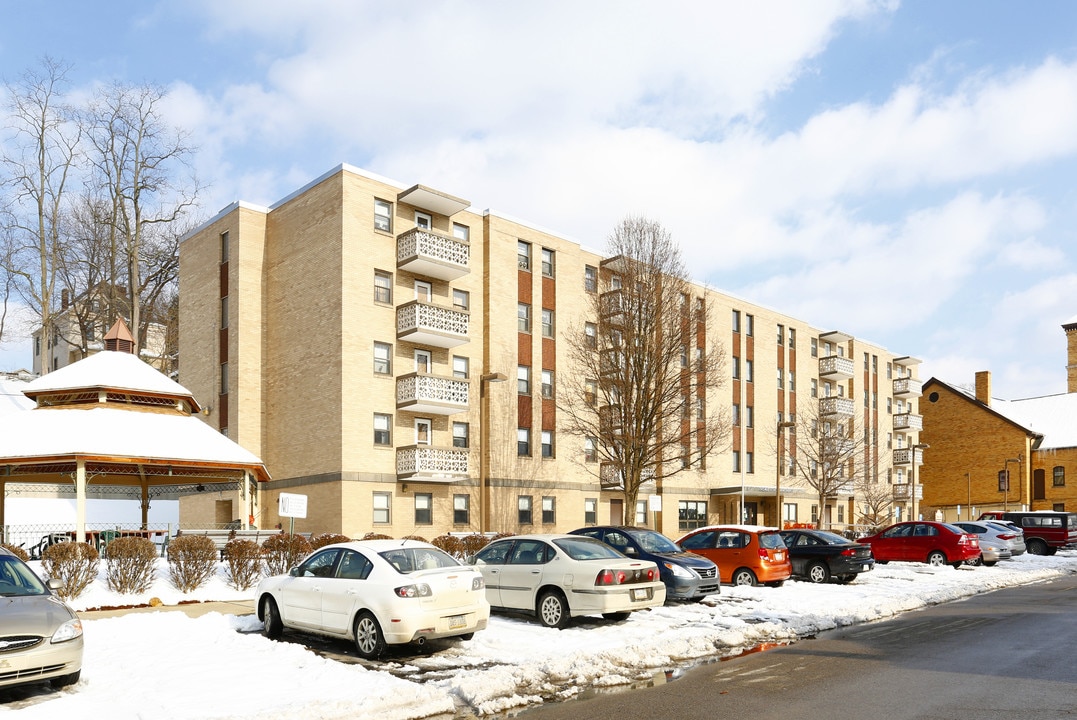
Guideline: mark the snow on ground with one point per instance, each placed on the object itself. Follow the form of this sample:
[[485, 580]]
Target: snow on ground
[[167, 665]]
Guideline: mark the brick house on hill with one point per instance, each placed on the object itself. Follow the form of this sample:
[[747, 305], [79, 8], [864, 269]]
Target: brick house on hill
[[975, 439]]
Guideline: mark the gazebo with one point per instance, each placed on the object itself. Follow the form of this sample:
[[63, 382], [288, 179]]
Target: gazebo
[[112, 426]]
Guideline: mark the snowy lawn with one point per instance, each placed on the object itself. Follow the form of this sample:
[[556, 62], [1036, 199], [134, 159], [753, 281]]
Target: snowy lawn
[[165, 665]]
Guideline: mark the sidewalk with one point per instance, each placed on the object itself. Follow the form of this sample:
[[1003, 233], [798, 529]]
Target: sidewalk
[[194, 609]]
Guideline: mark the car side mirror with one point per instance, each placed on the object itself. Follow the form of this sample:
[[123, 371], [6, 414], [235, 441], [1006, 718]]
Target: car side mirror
[[54, 584], [294, 572], [630, 551]]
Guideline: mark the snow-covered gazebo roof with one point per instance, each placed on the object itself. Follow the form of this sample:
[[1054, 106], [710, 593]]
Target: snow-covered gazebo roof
[[113, 420]]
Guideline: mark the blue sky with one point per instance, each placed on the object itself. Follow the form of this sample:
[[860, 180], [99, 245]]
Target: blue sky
[[899, 171]]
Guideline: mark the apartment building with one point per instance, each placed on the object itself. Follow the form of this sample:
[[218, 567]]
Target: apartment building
[[394, 355], [987, 453]]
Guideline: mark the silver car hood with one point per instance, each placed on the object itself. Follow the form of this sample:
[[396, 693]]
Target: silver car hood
[[32, 615]]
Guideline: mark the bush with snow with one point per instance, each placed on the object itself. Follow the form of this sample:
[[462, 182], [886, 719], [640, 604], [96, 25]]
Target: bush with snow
[[242, 563], [74, 564], [130, 564], [192, 561], [283, 552]]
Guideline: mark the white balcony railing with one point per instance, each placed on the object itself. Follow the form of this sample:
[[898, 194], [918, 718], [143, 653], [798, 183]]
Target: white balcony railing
[[428, 253], [835, 366], [836, 406], [908, 422], [431, 394], [426, 324], [907, 387], [432, 464], [901, 491], [904, 456]]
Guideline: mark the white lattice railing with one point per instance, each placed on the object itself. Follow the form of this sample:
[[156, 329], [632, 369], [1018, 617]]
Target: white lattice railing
[[431, 388], [836, 365], [431, 462], [419, 242], [906, 386], [908, 422], [836, 406], [420, 315]]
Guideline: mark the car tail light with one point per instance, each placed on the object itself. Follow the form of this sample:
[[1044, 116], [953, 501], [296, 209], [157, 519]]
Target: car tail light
[[849, 552], [410, 591], [606, 577], [1006, 536], [652, 574]]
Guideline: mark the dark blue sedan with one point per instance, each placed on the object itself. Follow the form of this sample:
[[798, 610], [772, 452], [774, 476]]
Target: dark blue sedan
[[819, 555]]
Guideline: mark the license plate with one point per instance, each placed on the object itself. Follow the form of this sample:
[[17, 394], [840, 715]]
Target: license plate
[[457, 621], [866, 568], [779, 556], [639, 593]]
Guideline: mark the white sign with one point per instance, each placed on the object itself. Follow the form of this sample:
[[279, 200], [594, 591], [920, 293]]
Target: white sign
[[293, 506], [654, 503]]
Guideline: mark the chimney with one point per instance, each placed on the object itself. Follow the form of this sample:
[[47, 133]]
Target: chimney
[[983, 387], [1071, 354]]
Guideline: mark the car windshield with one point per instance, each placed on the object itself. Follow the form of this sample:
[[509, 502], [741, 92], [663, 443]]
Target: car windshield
[[16, 578], [654, 542], [410, 559], [771, 540], [584, 548], [830, 538]]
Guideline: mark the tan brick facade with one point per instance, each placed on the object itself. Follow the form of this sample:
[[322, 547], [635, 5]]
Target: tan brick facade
[[303, 390]]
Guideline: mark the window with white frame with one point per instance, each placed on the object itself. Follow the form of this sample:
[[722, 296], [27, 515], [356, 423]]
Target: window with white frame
[[383, 424], [461, 300], [547, 262], [547, 323], [523, 317], [383, 287], [547, 443], [461, 509], [523, 255], [590, 334], [641, 512], [590, 278], [381, 504], [523, 380], [424, 509], [549, 510], [460, 434], [523, 442], [383, 215], [461, 232], [590, 511], [590, 449], [547, 384], [523, 509], [383, 358], [423, 220], [460, 367]]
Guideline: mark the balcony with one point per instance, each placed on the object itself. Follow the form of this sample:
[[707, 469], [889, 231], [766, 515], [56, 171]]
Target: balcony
[[431, 464], [908, 422], [906, 387], [430, 254], [835, 367], [430, 394], [610, 478], [425, 324], [836, 406], [904, 456], [901, 491], [612, 307]]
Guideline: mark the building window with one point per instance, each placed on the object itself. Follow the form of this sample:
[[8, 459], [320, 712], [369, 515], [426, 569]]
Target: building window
[[889, 406], [383, 287], [781, 378], [792, 338], [814, 387], [815, 347], [792, 382], [547, 323], [736, 321], [736, 367], [590, 511], [615, 282], [547, 384], [549, 510], [1059, 476], [383, 215], [460, 432], [590, 278], [224, 316], [461, 300], [383, 358], [523, 255], [748, 370], [523, 380], [523, 509], [224, 247], [383, 429], [749, 416], [889, 371], [547, 262], [381, 505], [590, 449], [461, 232], [523, 317], [547, 443], [460, 367], [736, 461], [461, 509], [781, 334], [422, 220], [224, 378], [590, 334], [701, 409], [736, 414], [424, 509], [691, 514], [749, 324], [590, 392], [523, 442], [749, 462]]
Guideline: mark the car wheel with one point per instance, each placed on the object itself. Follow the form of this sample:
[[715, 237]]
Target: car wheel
[[65, 680], [1036, 546], [976, 561], [369, 642], [744, 576], [552, 609], [818, 572], [990, 564], [465, 636], [272, 626], [616, 617], [846, 579], [936, 558]]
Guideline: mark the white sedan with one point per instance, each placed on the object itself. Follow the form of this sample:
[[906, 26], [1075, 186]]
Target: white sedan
[[376, 592], [557, 577]]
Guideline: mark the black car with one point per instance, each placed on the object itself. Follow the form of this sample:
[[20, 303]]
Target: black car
[[819, 555], [687, 576]]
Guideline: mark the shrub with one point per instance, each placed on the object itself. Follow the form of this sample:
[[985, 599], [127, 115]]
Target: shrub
[[130, 564], [19, 552], [473, 543], [377, 536], [320, 541], [420, 538], [450, 544], [74, 564], [192, 561], [242, 562], [283, 552]]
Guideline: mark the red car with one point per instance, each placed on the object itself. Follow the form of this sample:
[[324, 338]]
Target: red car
[[935, 543]]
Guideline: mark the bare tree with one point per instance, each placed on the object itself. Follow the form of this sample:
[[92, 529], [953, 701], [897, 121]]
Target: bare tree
[[137, 161], [830, 452], [876, 502], [642, 392], [39, 164]]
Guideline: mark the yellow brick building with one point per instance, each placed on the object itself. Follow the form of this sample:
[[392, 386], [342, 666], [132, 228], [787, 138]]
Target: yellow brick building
[[976, 439], [392, 353]]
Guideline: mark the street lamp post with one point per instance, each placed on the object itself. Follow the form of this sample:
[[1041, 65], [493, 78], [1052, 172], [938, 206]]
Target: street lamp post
[[778, 472], [1006, 465], [484, 452], [912, 480]]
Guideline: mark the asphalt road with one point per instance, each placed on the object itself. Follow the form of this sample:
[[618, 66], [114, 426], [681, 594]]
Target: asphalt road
[[1007, 654]]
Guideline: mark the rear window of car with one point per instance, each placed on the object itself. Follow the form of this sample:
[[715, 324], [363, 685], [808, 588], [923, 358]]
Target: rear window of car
[[583, 548], [771, 541], [409, 560]]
